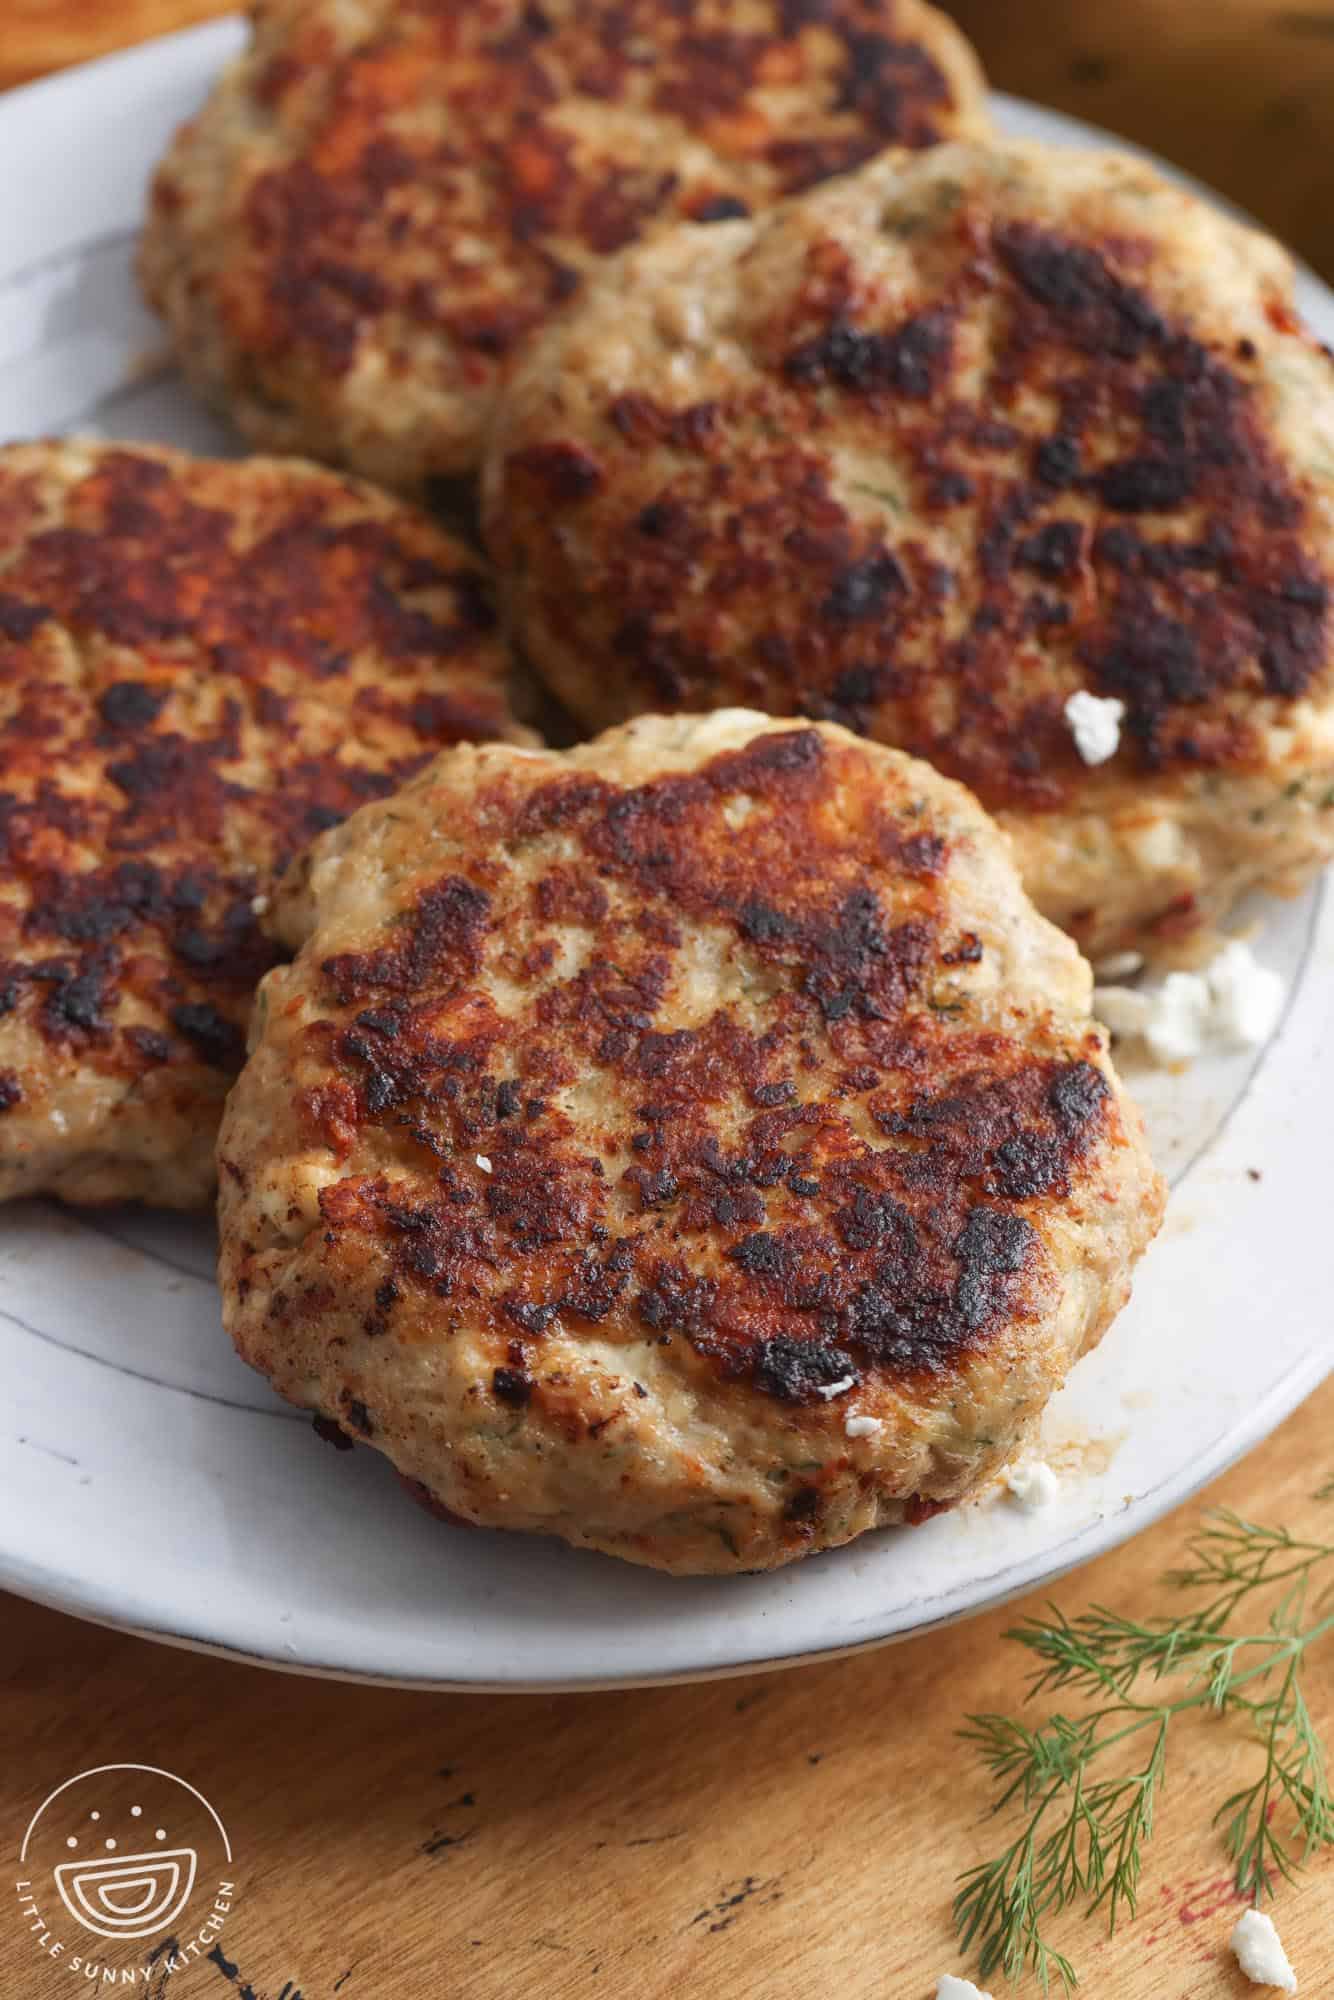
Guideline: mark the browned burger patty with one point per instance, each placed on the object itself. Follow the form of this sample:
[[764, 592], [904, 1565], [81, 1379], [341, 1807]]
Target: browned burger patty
[[930, 450], [383, 196], [201, 665], [692, 1144]]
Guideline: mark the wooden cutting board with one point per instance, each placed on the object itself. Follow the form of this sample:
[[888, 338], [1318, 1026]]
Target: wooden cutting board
[[782, 1837], [773, 1838]]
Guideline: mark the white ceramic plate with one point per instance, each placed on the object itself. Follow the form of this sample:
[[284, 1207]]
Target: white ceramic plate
[[149, 1481]]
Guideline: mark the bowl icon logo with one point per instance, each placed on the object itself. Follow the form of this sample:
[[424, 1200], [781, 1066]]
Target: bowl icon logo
[[131, 1897], [125, 1873]]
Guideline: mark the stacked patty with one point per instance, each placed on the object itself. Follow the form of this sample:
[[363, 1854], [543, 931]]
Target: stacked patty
[[691, 1144], [382, 198], [201, 666], [930, 450]]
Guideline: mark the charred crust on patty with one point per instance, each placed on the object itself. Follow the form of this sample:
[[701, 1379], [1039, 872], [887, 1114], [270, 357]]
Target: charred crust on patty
[[332, 1433], [1130, 507], [512, 1386], [374, 172], [835, 1260], [202, 665], [633, 1117], [430, 186]]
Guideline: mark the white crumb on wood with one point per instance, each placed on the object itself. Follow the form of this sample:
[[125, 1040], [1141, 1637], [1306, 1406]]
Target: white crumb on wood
[[1260, 1954]]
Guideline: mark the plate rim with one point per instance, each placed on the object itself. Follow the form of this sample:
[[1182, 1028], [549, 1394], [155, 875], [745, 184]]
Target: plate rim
[[1104, 1535]]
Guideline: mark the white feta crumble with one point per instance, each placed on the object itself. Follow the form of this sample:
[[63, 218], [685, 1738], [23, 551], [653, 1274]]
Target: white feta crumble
[[1260, 1953], [1095, 723], [1178, 1022], [950, 1988], [839, 1388], [862, 1427], [1235, 1002], [1247, 997], [1119, 965], [258, 905], [484, 1163], [1032, 1484], [1160, 846], [1121, 1009]]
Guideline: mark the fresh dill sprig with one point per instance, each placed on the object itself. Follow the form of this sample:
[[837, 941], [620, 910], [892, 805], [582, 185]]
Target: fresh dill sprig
[[1086, 1784]]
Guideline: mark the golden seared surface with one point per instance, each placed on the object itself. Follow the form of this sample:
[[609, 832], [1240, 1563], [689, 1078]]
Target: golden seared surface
[[201, 666], [383, 196], [635, 1116], [930, 449]]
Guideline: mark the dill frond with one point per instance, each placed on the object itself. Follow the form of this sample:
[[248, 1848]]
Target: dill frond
[[1087, 1784]]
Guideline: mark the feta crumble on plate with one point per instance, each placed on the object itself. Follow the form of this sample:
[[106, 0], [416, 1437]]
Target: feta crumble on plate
[[1235, 1003], [1119, 965], [950, 1988], [1031, 1484], [1247, 997], [1095, 723], [1260, 1953]]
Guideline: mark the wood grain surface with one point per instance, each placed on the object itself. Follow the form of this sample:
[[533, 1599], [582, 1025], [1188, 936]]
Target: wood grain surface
[[771, 1838], [41, 35]]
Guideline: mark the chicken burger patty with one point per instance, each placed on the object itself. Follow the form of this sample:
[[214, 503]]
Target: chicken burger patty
[[381, 198], [692, 1144], [931, 451], [201, 666]]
